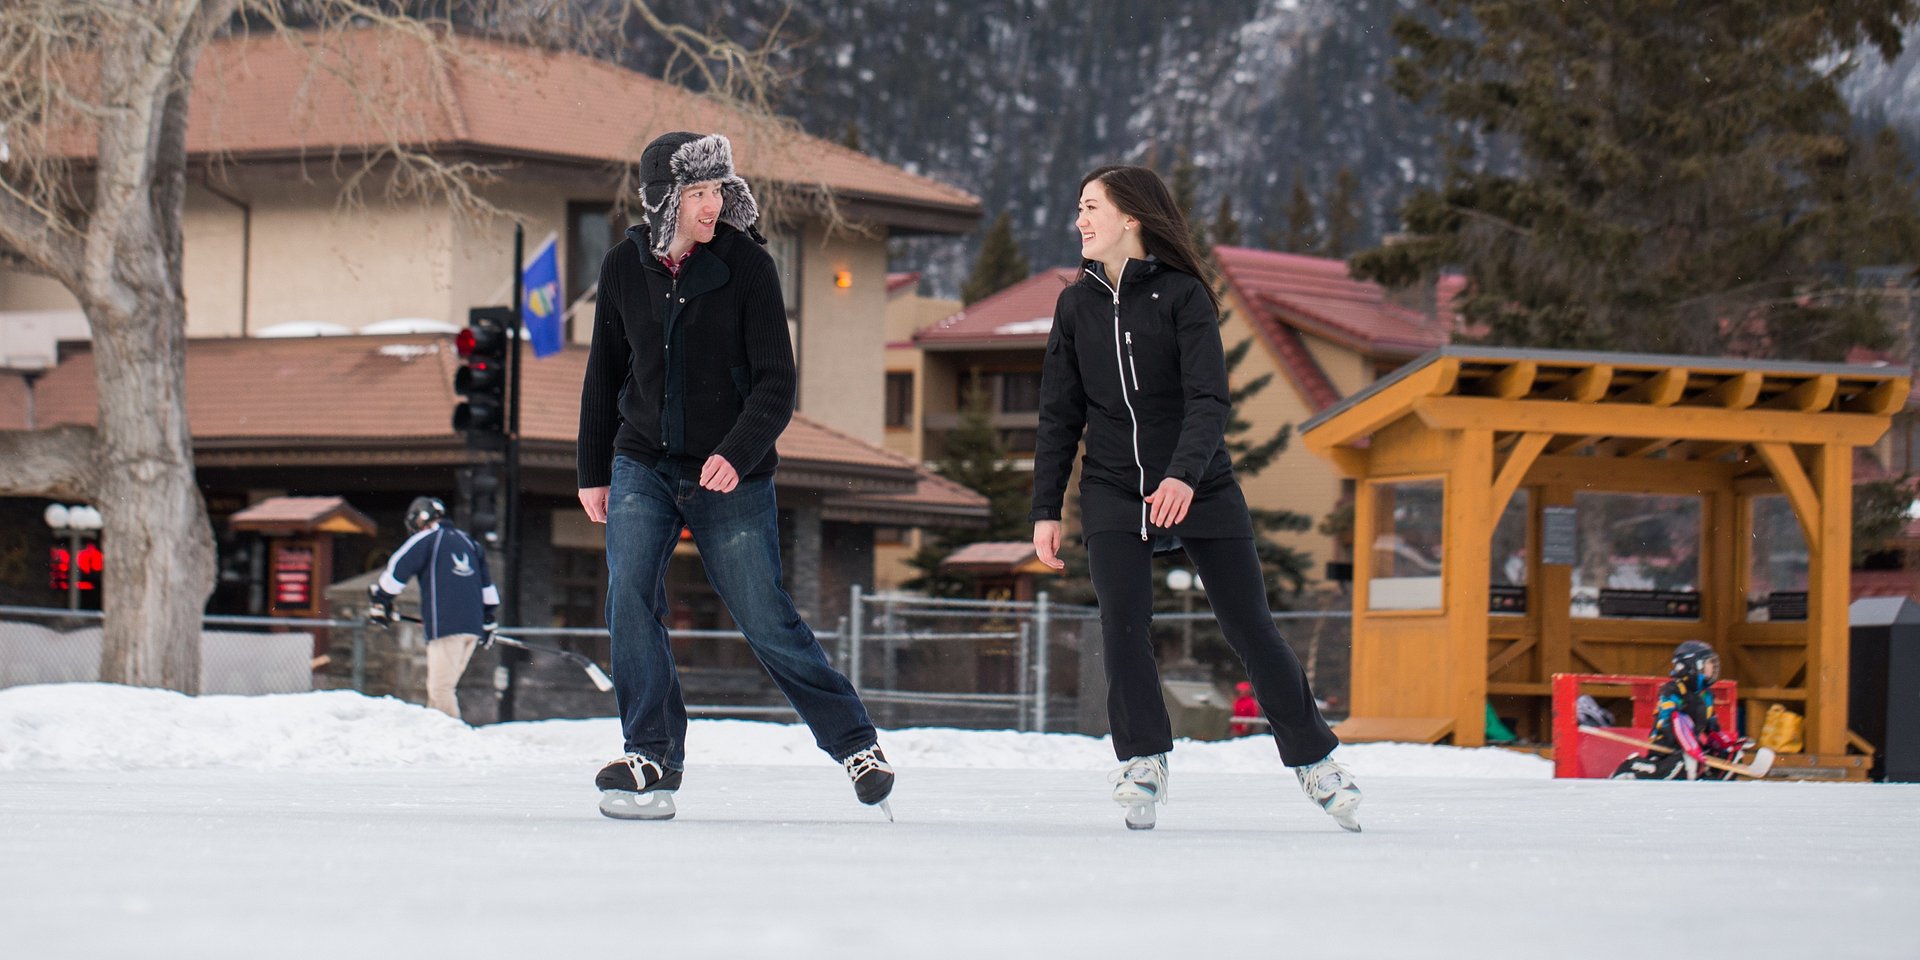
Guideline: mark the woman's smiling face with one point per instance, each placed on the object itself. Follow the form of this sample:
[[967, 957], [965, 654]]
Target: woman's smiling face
[[1102, 226]]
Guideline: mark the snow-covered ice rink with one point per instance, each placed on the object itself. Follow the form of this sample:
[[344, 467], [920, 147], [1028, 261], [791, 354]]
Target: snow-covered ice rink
[[137, 823]]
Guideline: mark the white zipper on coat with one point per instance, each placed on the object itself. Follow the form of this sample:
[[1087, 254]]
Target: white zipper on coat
[[1130, 367], [1120, 358]]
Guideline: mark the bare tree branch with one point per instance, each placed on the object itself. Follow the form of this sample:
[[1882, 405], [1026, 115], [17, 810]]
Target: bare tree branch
[[58, 463]]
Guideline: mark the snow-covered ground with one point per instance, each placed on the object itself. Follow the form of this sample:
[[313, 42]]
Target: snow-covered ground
[[142, 823]]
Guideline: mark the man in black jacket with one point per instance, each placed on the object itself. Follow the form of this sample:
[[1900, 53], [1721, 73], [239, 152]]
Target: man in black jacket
[[689, 384]]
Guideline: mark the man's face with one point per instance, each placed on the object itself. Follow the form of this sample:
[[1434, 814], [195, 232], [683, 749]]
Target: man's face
[[699, 210]]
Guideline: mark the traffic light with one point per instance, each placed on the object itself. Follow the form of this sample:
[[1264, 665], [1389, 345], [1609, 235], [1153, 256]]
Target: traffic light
[[482, 495], [482, 380]]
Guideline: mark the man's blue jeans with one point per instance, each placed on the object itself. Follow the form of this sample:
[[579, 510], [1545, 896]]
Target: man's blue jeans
[[738, 535]]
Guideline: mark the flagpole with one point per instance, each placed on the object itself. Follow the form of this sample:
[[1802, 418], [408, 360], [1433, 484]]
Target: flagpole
[[514, 614]]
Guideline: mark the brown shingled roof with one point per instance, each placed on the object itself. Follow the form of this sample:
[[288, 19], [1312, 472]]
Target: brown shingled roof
[[1019, 315], [1316, 294], [302, 514], [245, 392], [259, 97]]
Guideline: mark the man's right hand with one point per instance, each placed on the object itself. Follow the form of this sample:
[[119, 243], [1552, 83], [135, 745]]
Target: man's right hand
[[379, 605], [594, 499], [1046, 543]]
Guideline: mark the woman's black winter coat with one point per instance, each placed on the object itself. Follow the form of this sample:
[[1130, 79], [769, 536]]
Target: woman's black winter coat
[[1140, 370]]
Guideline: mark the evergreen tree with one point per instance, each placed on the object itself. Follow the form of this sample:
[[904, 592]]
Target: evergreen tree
[[1343, 214], [975, 458], [1286, 568], [1184, 184], [1688, 179], [1303, 225], [1001, 263], [1226, 229]]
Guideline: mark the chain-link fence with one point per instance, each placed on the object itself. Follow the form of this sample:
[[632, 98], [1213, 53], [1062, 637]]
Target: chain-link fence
[[918, 661]]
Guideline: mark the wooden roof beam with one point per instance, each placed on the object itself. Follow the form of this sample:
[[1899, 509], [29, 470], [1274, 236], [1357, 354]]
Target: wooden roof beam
[[1737, 392], [1391, 403], [1884, 399], [1792, 477], [1515, 381], [1587, 386], [1809, 396], [1663, 389], [1679, 423]]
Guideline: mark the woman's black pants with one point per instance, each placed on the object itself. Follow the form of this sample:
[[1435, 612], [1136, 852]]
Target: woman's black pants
[[1122, 567]]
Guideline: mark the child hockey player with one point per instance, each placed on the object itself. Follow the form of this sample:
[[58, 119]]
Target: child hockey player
[[1687, 723]]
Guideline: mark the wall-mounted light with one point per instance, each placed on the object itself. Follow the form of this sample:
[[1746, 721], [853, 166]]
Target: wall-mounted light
[[843, 278]]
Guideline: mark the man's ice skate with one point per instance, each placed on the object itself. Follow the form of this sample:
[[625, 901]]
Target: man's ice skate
[[1330, 785], [872, 778], [635, 787], [1139, 785]]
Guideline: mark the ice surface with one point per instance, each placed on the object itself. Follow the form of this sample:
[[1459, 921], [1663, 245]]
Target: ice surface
[[142, 823]]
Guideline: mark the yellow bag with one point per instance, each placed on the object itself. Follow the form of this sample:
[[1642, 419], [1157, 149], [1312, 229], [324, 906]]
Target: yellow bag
[[1781, 731]]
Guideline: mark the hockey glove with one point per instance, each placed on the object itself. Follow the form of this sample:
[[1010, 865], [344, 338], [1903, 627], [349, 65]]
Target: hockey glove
[[379, 605], [491, 617]]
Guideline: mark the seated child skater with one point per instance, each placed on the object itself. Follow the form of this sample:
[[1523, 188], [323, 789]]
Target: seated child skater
[[1687, 722]]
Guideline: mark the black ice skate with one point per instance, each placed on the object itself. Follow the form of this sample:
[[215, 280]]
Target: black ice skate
[[635, 787], [872, 778]]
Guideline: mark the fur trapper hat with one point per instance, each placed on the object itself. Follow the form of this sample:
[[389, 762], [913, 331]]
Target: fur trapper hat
[[674, 160]]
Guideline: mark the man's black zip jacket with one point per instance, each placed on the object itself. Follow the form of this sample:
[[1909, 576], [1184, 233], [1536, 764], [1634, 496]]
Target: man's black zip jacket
[[1142, 372], [687, 367]]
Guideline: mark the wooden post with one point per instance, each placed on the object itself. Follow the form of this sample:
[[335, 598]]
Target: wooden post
[[1828, 579], [1360, 699], [1469, 538]]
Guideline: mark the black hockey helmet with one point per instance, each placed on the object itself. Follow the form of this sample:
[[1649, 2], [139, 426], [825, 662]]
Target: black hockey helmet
[[1695, 663], [424, 512]]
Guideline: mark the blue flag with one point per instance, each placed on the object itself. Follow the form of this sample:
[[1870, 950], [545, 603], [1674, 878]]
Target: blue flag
[[540, 285]]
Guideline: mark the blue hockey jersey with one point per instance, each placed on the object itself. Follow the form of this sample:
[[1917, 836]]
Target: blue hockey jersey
[[455, 587]]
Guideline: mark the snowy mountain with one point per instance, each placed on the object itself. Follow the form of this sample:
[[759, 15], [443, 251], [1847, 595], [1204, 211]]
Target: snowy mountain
[[1015, 99]]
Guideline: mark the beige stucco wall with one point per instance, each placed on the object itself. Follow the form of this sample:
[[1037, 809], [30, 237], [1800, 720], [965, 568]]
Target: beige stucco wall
[[1296, 480], [842, 348], [24, 291], [1348, 370]]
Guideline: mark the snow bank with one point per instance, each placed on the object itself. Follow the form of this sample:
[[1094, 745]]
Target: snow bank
[[91, 726]]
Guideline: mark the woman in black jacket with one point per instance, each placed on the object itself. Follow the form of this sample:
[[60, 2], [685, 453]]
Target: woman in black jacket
[[1134, 361]]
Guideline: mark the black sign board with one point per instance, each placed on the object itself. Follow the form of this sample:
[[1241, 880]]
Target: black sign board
[[1507, 598], [1787, 605], [1559, 535], [1659, 604]]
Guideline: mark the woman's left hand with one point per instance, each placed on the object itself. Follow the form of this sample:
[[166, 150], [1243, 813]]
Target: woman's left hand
[[1169, 503]]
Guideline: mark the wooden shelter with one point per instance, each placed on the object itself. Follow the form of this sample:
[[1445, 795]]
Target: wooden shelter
[[1522, 513]]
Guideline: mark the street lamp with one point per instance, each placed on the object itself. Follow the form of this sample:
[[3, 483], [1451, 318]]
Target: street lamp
[[1185, 584], [75, 521]]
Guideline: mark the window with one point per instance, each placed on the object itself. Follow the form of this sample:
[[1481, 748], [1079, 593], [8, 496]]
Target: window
[[1020, 392], [899, 401], [1508, 578], [1639, 556], [1019, 443], [784, 247], [592, 230], [1408, 539], [1776, 561]]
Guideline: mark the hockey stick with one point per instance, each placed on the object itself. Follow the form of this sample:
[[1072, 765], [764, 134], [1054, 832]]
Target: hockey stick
[[601, 681], [1762, 758]]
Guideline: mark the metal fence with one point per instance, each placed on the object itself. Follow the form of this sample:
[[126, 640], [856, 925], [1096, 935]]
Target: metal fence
[[917, 661]]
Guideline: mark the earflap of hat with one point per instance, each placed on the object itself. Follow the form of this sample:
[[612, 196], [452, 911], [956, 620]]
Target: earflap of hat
[[660, 202], [737, 206]]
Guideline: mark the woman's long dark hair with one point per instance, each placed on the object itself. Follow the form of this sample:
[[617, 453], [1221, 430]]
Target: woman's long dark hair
[[1139, 193]]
